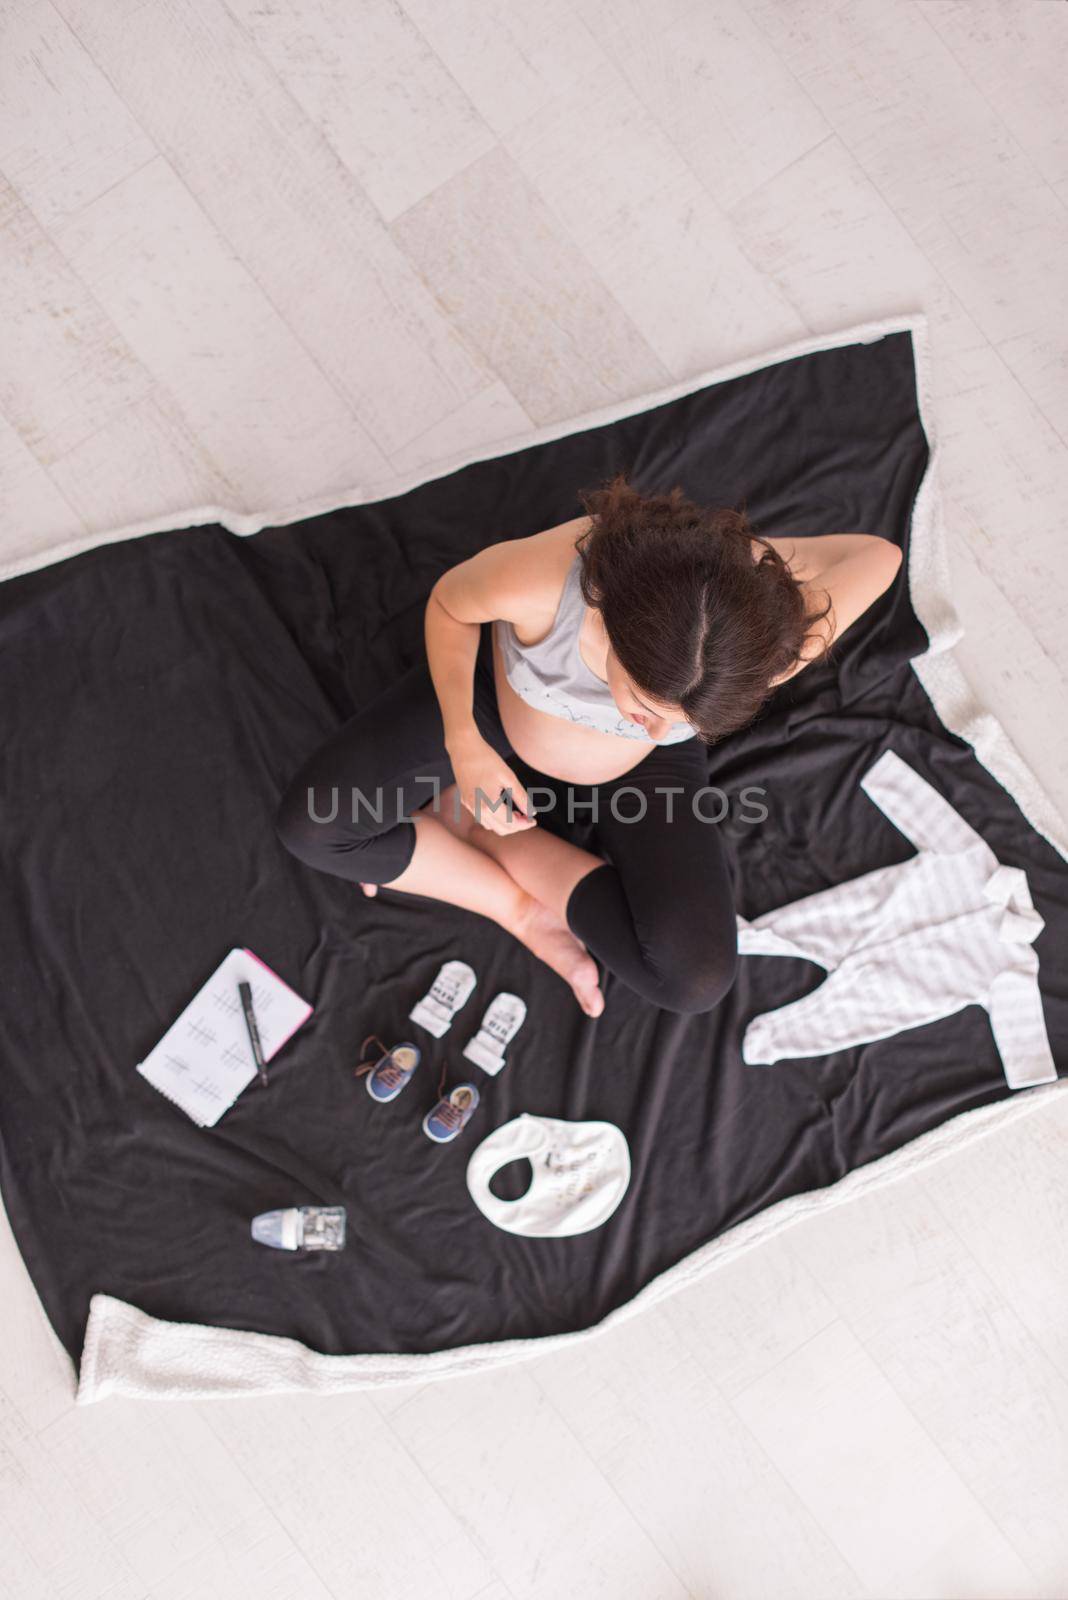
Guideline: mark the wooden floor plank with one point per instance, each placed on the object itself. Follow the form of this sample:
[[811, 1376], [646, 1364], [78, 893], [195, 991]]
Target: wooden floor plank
[[299, 222], [524, 295]]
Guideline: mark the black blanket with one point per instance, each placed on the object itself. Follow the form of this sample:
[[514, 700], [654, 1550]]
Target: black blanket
[[160, 691]]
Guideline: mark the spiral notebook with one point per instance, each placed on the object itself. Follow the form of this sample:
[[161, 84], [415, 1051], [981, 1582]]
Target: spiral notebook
[[204, 1060]]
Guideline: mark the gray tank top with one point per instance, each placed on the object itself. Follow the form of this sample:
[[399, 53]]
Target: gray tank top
[[552, 676]]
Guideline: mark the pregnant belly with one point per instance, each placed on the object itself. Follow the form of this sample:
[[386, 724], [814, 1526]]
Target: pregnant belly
[[559, 748]]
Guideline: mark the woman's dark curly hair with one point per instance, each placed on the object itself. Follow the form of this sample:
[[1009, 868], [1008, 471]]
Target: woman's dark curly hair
[[693, 619]]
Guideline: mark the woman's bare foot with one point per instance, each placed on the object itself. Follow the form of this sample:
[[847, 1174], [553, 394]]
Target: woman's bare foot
[[553, 942], [545, 934]]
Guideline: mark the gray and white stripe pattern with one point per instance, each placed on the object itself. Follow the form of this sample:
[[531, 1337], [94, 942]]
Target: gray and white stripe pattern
[[907, 944]]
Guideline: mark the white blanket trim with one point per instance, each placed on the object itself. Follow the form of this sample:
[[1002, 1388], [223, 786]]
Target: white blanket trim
[[140, 1357], [129, 1353]]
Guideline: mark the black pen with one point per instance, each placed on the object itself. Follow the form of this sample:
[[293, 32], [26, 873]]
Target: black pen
[[244, 991]]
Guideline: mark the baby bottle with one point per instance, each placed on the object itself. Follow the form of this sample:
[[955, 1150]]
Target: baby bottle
[[301, 1228]]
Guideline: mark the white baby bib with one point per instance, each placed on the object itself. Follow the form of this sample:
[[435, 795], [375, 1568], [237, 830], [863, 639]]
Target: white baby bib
[[579, 1174]]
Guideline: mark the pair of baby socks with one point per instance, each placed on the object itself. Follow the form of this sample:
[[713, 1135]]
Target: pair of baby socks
[[450, 990]]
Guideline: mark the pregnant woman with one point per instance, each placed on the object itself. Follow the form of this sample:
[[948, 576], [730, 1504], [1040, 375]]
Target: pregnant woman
[[604, 653]]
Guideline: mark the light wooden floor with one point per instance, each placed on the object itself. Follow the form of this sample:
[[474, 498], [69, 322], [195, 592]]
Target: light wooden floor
[[258, 250]]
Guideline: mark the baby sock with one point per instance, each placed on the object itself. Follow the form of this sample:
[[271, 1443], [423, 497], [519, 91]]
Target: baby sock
[[448, 992], [503, 1020]]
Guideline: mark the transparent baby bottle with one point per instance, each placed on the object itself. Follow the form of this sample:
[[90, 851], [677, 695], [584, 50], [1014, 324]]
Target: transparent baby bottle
[[301, 1228]]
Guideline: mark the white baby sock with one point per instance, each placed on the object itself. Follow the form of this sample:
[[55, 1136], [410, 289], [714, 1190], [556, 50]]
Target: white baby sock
[[448, 992], [503, 1020]]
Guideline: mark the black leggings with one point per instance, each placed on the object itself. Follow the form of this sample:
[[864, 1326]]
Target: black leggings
[[658, 913]]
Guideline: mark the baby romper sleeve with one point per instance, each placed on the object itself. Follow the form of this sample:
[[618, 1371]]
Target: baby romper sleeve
[[1019, 1025], [917, 809]]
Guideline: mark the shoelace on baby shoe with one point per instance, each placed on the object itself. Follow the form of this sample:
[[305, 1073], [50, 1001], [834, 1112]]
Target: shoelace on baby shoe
[[448, 1114], [445, 1111], [391, 1072]]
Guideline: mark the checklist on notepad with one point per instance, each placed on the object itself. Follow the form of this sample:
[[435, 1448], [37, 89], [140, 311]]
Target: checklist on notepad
[[204, 1060]]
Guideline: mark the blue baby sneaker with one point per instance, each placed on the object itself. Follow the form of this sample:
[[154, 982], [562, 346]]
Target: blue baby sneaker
[[451, 1114], [389, 1075]]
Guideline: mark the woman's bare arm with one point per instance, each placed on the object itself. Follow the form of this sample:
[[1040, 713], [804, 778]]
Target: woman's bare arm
[[852, 569], [517, 581]]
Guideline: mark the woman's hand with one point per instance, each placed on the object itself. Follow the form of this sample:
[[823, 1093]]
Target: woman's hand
[[482, 777]]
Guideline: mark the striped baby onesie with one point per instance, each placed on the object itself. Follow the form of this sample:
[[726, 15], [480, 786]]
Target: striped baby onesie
[[910, 943]]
